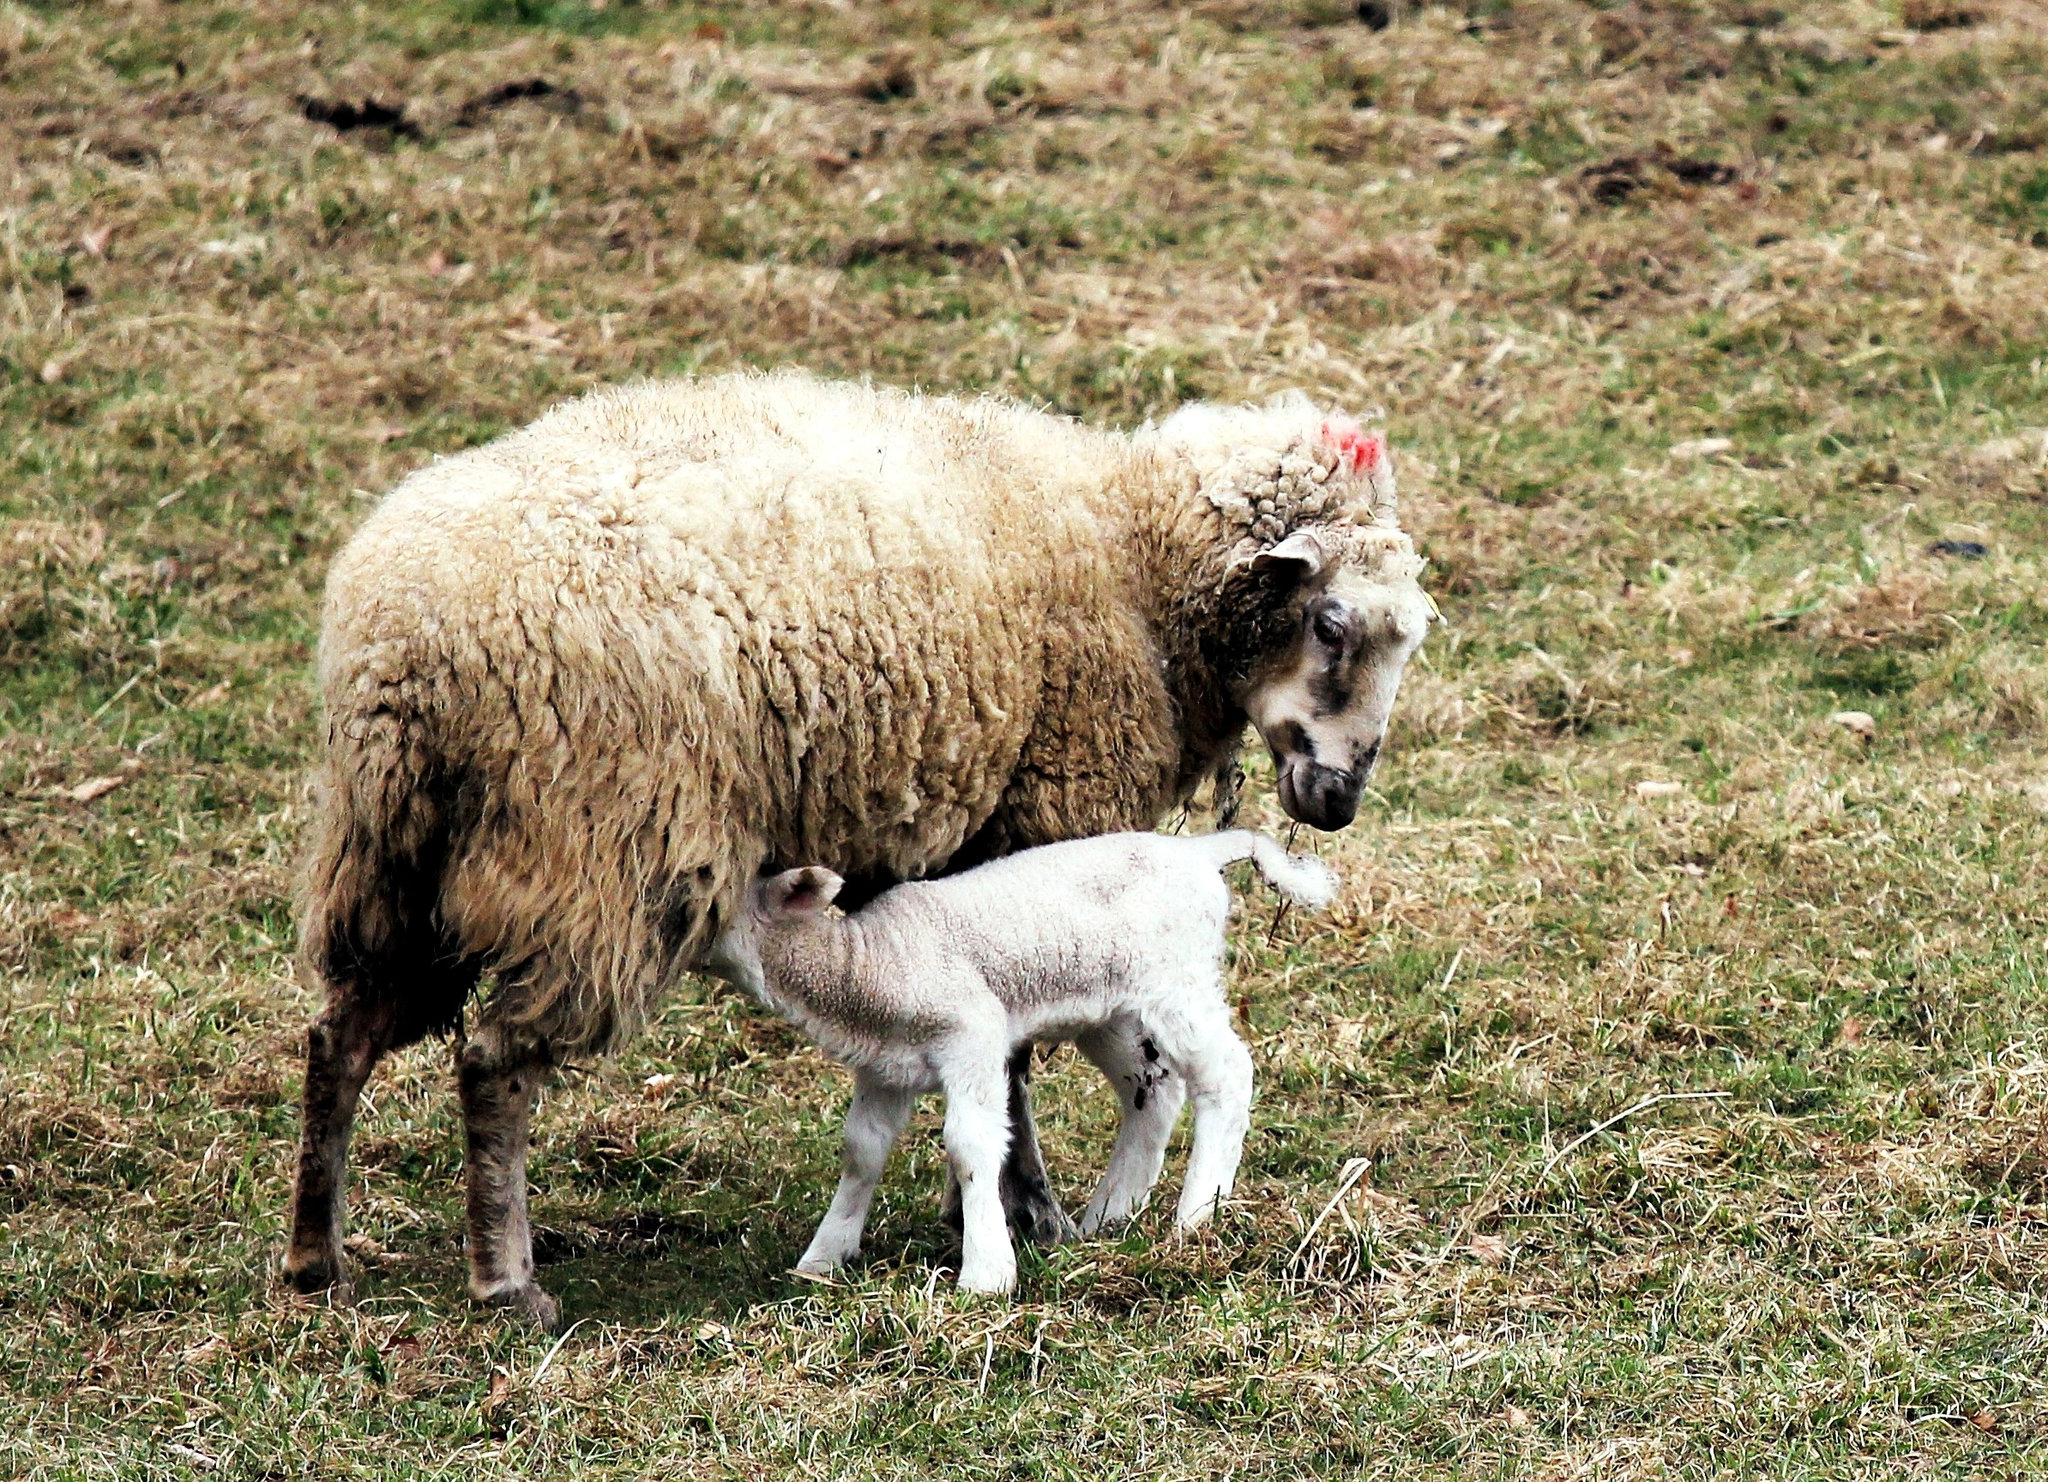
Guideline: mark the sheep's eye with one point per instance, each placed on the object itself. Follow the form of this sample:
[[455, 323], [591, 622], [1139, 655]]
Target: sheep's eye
[[1328, 626]]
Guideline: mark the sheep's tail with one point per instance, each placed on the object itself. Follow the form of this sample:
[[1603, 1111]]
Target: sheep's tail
[[370, 877], [1302, 878]]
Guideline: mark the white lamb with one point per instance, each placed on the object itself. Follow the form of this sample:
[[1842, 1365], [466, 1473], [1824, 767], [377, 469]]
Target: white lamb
[[1113, 942]]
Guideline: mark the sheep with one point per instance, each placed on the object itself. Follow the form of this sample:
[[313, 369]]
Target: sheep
[[583, 683], [1108, 942]]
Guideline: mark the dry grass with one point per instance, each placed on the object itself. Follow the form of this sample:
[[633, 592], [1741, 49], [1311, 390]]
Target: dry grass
[[1703, 324]]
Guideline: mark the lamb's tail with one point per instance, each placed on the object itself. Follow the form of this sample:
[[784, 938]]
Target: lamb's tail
[[1302, 878]]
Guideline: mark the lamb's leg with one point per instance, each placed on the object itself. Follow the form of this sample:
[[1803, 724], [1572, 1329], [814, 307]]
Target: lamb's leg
[[342, 1048], [1218, 1069], [1027, 1193], [1151, 1095], [873, 1124], [977, 1134], [497, 1087]]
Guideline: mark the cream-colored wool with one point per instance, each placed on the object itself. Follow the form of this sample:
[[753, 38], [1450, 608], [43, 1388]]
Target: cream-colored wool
[[617, 662]]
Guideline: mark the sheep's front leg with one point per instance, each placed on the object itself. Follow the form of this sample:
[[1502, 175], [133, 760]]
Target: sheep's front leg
[[1027, 1191], [497, 1088], [977, 1135], [1218, 1068], [873, 1124], [1151, 1096]]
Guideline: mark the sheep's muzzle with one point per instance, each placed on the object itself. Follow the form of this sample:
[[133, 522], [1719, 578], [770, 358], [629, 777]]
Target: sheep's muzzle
[[1319, 796]]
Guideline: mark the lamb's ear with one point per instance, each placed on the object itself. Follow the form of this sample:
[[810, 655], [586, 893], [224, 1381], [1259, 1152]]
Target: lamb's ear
[[1300, 556], [803, 892]]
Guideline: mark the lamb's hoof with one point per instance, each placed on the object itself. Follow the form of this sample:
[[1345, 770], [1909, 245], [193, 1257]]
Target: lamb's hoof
[[992, 1282], [530, 1303], [1092, 1224], [817, 1268]]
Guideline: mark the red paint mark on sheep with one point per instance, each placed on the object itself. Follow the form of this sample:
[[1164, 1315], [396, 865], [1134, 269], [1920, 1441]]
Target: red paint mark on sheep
[[1356, 449]]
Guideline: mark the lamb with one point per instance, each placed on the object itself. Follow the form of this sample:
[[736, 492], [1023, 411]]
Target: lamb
[[582, 684], [1109, 942]]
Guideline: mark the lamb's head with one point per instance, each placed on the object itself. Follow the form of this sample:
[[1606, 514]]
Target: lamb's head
[[774, 903], [1323, 605]]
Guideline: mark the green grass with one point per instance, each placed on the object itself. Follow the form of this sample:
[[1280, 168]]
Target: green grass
[[1822, 1253]]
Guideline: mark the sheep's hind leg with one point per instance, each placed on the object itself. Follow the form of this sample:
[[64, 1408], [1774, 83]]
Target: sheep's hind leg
[[497, 1087], [1033, 1212], [1151, 1095], [873, 1124], [342, 1048], [976, 1137]]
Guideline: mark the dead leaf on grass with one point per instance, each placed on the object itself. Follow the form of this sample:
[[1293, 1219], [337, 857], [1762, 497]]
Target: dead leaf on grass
[[1649, 790], [1490, 1249], [540, 333], [94, 787]]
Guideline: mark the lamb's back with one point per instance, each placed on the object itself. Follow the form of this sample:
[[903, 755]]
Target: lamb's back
[[1079, 915]]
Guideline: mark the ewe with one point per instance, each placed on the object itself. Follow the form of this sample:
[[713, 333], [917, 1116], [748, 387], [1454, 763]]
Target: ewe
[[582, 684], [1115, 943]]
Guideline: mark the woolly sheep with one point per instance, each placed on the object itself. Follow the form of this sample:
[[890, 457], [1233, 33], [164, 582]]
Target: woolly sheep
[[1112, 942], [583, 683]]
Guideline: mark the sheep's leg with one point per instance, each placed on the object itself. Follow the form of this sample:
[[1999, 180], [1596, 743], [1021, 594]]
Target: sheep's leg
[[497, 1087], [342, 1048], [977, 1135], [1218, 1069], [1151, 1095], [1027, 1193], [873, 1124]]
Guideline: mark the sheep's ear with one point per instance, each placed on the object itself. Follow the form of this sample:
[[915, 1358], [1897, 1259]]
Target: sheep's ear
[[803, 892], [1300, 556]]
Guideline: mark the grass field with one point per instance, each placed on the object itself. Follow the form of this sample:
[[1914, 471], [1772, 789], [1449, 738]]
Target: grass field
[[1696, 1129]]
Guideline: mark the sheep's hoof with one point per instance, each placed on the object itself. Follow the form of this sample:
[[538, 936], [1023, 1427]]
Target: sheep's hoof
[[1042, 1222], [531, 1303], [309, 1275]]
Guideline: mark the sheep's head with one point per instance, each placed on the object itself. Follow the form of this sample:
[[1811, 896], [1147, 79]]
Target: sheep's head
[[1339, 613]]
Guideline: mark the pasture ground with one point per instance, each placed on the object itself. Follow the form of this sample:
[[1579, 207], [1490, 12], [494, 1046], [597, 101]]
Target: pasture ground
[[1700, 324]]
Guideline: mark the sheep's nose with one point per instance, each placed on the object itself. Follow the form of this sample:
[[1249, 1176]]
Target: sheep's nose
[[1319, 796]]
